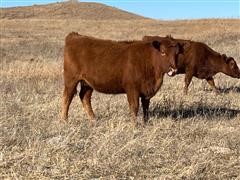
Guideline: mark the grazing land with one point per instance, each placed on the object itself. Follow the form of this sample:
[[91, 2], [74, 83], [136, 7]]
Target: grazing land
[[188, 137]]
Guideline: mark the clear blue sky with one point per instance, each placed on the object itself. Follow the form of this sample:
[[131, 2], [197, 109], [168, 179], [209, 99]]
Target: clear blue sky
[[160, 9]]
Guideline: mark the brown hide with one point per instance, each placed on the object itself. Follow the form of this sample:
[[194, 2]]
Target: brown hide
[[199, 60], [135, 68]]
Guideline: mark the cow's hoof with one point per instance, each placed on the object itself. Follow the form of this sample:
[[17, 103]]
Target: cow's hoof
[[63, 119]]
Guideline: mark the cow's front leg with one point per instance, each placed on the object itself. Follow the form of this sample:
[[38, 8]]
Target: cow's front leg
[[145, 106], [188, 79], [133, 100], [212, 84]]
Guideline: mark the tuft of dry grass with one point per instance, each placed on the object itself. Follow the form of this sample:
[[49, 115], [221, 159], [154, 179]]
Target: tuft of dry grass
[[189, 137]]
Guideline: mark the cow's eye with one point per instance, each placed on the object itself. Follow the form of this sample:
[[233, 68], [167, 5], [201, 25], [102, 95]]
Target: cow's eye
[[163, 53]]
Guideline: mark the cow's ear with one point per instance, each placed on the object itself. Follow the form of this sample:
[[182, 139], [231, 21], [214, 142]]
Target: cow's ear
[[224, 57], [156, 45], [231, 61], [227, 59]]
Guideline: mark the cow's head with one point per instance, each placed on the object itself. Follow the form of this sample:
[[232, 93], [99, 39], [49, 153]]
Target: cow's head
[[230, 67], [168, 52]]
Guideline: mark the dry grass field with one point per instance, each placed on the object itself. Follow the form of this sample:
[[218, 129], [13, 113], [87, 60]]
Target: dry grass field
[[189, 137]]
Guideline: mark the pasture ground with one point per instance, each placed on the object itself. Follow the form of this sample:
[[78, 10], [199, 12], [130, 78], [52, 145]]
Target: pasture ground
[[189, 137]]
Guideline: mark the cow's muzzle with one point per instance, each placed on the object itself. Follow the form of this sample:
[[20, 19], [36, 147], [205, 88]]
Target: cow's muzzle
[[172, 72]]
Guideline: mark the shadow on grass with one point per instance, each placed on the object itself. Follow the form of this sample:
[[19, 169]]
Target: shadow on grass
[[230, 89], [208, 112], [226, 90]]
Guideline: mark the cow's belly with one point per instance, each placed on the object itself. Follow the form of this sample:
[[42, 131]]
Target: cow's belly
[[109, 89], [103, 79], [106, 86], [204, 74]]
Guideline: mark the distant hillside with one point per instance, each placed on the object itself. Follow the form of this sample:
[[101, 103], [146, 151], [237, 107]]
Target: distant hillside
[[80, 10]]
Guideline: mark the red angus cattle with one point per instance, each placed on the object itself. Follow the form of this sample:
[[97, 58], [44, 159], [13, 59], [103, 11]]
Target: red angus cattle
[[201, 61], [112, 67]]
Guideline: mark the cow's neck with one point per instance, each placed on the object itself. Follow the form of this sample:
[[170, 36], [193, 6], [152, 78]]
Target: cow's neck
[[158, 74], [217, 64], [153, 80], [158, 78], [153, 86], [159, 81]]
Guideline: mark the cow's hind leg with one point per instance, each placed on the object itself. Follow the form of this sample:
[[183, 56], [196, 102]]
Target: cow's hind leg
[[68, 93], [85, 96], [212, 84]]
